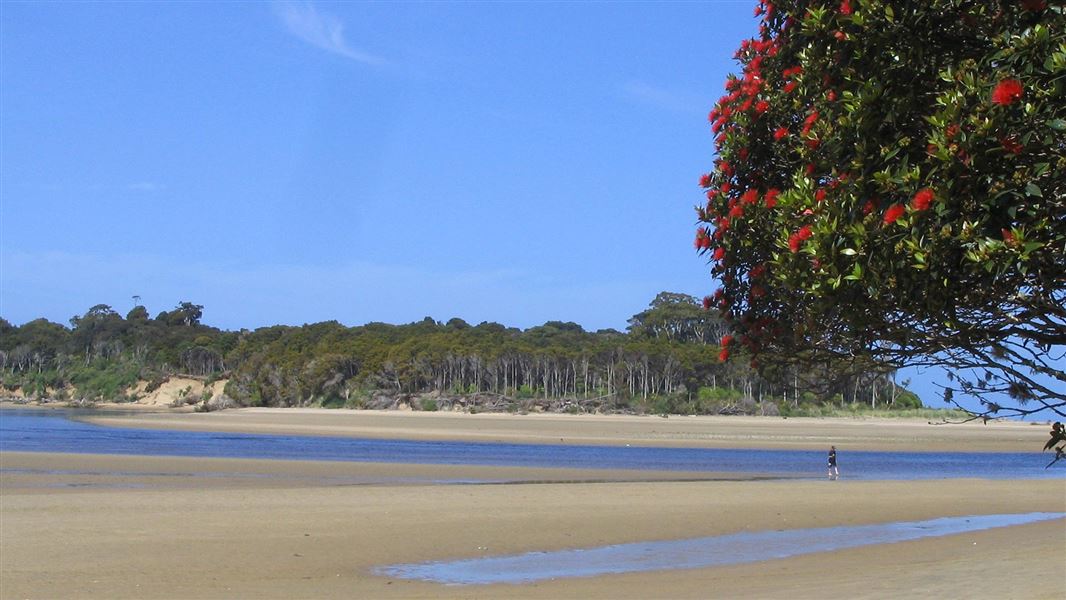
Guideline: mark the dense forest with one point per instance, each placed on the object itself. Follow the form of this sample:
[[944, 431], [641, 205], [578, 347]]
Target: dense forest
[[666, 362]]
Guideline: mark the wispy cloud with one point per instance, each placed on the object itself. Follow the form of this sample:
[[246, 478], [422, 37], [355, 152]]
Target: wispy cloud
[[321, 30], [662, 98]]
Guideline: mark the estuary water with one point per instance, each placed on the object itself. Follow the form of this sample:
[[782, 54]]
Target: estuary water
[[62, 431]]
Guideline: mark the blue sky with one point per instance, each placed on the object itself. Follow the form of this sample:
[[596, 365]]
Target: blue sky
[[299, 162]]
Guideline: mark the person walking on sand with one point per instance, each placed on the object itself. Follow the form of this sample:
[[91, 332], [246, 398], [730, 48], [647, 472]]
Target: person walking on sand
[[833, 471]]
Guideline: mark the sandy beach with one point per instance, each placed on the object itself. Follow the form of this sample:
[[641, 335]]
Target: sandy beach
[[96, 526], [900, 435]]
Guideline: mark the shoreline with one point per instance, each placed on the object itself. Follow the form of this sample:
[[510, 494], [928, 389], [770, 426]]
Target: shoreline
[[743, 432]]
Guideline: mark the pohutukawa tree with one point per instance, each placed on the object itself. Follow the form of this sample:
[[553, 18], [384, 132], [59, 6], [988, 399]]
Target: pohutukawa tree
[[890, 186]]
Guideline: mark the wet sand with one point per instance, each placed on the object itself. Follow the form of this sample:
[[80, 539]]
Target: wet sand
[[91, 526]]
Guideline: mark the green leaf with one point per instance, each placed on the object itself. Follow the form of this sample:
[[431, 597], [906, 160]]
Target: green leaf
[[848, 252], [1034, 190], [1058, 125]]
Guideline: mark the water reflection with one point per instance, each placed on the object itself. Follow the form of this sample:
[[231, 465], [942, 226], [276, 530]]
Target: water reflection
[[693, 553]]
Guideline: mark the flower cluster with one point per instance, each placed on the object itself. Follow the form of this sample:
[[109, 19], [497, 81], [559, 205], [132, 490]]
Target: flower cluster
[[795, 241], [1007, 92], [922, 199]]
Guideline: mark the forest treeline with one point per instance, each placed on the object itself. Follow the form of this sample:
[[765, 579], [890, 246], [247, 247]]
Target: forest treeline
[[665, 362]]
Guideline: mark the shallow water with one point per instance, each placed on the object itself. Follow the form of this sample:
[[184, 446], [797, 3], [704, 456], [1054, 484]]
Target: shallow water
[[693, 553], [58, 431]]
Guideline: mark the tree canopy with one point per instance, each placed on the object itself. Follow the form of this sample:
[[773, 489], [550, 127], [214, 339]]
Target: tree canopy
[[890, 189], [665, 365]]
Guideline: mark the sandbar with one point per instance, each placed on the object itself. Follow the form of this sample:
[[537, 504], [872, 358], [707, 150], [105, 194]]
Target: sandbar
[[880, 434]]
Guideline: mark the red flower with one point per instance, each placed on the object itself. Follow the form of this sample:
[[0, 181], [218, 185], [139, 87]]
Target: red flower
[[758, 270], [743, 154], [1010, 144], [809, 122], [736, 212], [868, 207], [761, 106], [703, 240], [810, 168], [780, 132], [1008, 237], [813, 143], [819, 196], [831, 96], [726, 340], [705, 180], [719, 253], [845, 7], [707, 302], [723, 355], [758, 291], [750, 197], [1007, 91], [922, 199], [725, 188], [796, 239], [894, 212], [789, 87], [771, 197], [951, 131]]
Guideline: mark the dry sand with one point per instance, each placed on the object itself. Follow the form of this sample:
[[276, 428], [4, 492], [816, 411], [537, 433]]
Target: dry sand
[[699, 431], [176, 391], [84, 526]]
